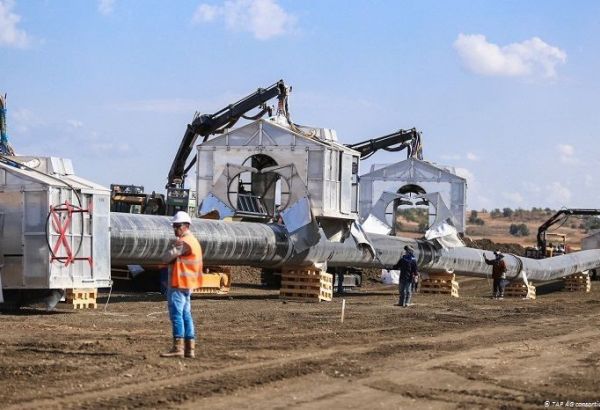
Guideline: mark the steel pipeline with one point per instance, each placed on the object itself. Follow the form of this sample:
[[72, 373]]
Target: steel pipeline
[[142, 240]]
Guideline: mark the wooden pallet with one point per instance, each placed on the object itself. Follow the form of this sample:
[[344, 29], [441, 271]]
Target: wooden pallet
[[578, 282], [442, 284], [214, 280], [518, 289], [308, 284], [81, 298]]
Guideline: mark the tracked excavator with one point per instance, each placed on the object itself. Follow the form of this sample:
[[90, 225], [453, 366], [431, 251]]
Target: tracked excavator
[[543, 248]]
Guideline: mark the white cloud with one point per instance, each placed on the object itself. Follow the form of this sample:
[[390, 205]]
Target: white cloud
[[263, 18], [532, 57], [472, 157], [10, 34], [514, 197], [75, 123], [566, 153], [106, 7], [559, 194], [206, 13]]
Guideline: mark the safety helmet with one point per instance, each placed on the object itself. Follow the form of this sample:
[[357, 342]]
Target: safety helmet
[[181, 217]]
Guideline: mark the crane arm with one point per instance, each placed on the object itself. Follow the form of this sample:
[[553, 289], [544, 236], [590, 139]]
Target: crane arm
[[554, 219], [396, 141], [208, 124]]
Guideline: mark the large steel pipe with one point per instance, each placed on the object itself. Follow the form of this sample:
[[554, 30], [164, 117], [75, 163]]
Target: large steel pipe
[[142, 239]]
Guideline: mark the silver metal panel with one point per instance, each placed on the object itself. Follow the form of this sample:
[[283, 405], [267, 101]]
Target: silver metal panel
[[346, 183]]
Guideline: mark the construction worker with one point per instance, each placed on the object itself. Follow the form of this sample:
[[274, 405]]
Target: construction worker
[[184, 257], [408, 271], [498, 274]]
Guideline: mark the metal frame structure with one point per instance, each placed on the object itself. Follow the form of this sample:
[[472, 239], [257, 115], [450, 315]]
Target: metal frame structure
[[430, 177], [54, 226]]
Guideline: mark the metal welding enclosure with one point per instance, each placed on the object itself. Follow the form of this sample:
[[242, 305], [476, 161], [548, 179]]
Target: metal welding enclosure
[[415, 177], [269, 168], [54, 226]]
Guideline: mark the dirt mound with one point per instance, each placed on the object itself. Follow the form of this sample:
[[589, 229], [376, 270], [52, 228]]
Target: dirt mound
[[489, 245], [245, 274]]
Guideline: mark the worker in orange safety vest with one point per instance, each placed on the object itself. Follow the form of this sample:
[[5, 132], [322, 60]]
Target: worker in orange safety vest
[[184, 257]]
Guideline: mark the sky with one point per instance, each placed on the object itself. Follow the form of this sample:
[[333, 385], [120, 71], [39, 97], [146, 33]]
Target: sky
[[504, 91]]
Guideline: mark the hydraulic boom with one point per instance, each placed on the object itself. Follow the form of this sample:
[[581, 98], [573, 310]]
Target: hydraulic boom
[[206, 125], [397, 141]]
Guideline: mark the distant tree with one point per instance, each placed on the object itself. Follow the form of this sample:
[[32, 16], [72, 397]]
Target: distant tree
[[592, 223], [495, 213], [518, 230], [484, 211], [507, 212], [473, 216]]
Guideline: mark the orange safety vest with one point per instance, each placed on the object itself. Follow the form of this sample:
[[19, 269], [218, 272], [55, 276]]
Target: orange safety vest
[[186, 269]]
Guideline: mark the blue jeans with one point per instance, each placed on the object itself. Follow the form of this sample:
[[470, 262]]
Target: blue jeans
[[180, 312], [405, 292]]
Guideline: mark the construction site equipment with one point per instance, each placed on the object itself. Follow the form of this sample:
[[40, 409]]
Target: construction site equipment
[[543, 249], [54, 229], [394, 142], [412, 179], [206, 125], [267, 170], [139, 239], [214, 279], [133, 199]]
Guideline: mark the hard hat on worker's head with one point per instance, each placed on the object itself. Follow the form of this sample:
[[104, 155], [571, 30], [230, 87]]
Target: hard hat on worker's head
[[181, 217], [498, 254]]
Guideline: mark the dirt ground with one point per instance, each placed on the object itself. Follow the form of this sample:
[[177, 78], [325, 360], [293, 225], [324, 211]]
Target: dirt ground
[[256, 351]]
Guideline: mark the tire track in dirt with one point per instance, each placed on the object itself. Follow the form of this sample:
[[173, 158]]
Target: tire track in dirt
[[178, 389]]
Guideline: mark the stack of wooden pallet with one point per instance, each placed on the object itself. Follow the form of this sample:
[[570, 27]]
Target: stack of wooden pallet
[[578, 282], [81, 298], [440, 283], [214, 279], [519, 289], [308, 284]]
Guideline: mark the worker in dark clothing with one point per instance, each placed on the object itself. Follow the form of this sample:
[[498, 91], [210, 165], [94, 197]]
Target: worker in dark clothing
[[340, 271], [498, 274], [407, 265]]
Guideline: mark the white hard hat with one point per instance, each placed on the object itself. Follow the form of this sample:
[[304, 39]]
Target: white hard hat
[[181, 217]]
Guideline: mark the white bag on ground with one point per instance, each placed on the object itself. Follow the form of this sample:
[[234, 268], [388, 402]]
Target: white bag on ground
[[390, 277]]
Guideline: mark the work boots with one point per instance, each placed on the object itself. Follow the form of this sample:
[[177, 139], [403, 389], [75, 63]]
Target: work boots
[[190, 346], [176, 350]]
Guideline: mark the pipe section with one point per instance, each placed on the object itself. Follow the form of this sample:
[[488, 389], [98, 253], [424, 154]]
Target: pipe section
[[142, 240]]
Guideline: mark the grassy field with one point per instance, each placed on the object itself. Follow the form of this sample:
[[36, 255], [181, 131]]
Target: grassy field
[[496, 227]]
